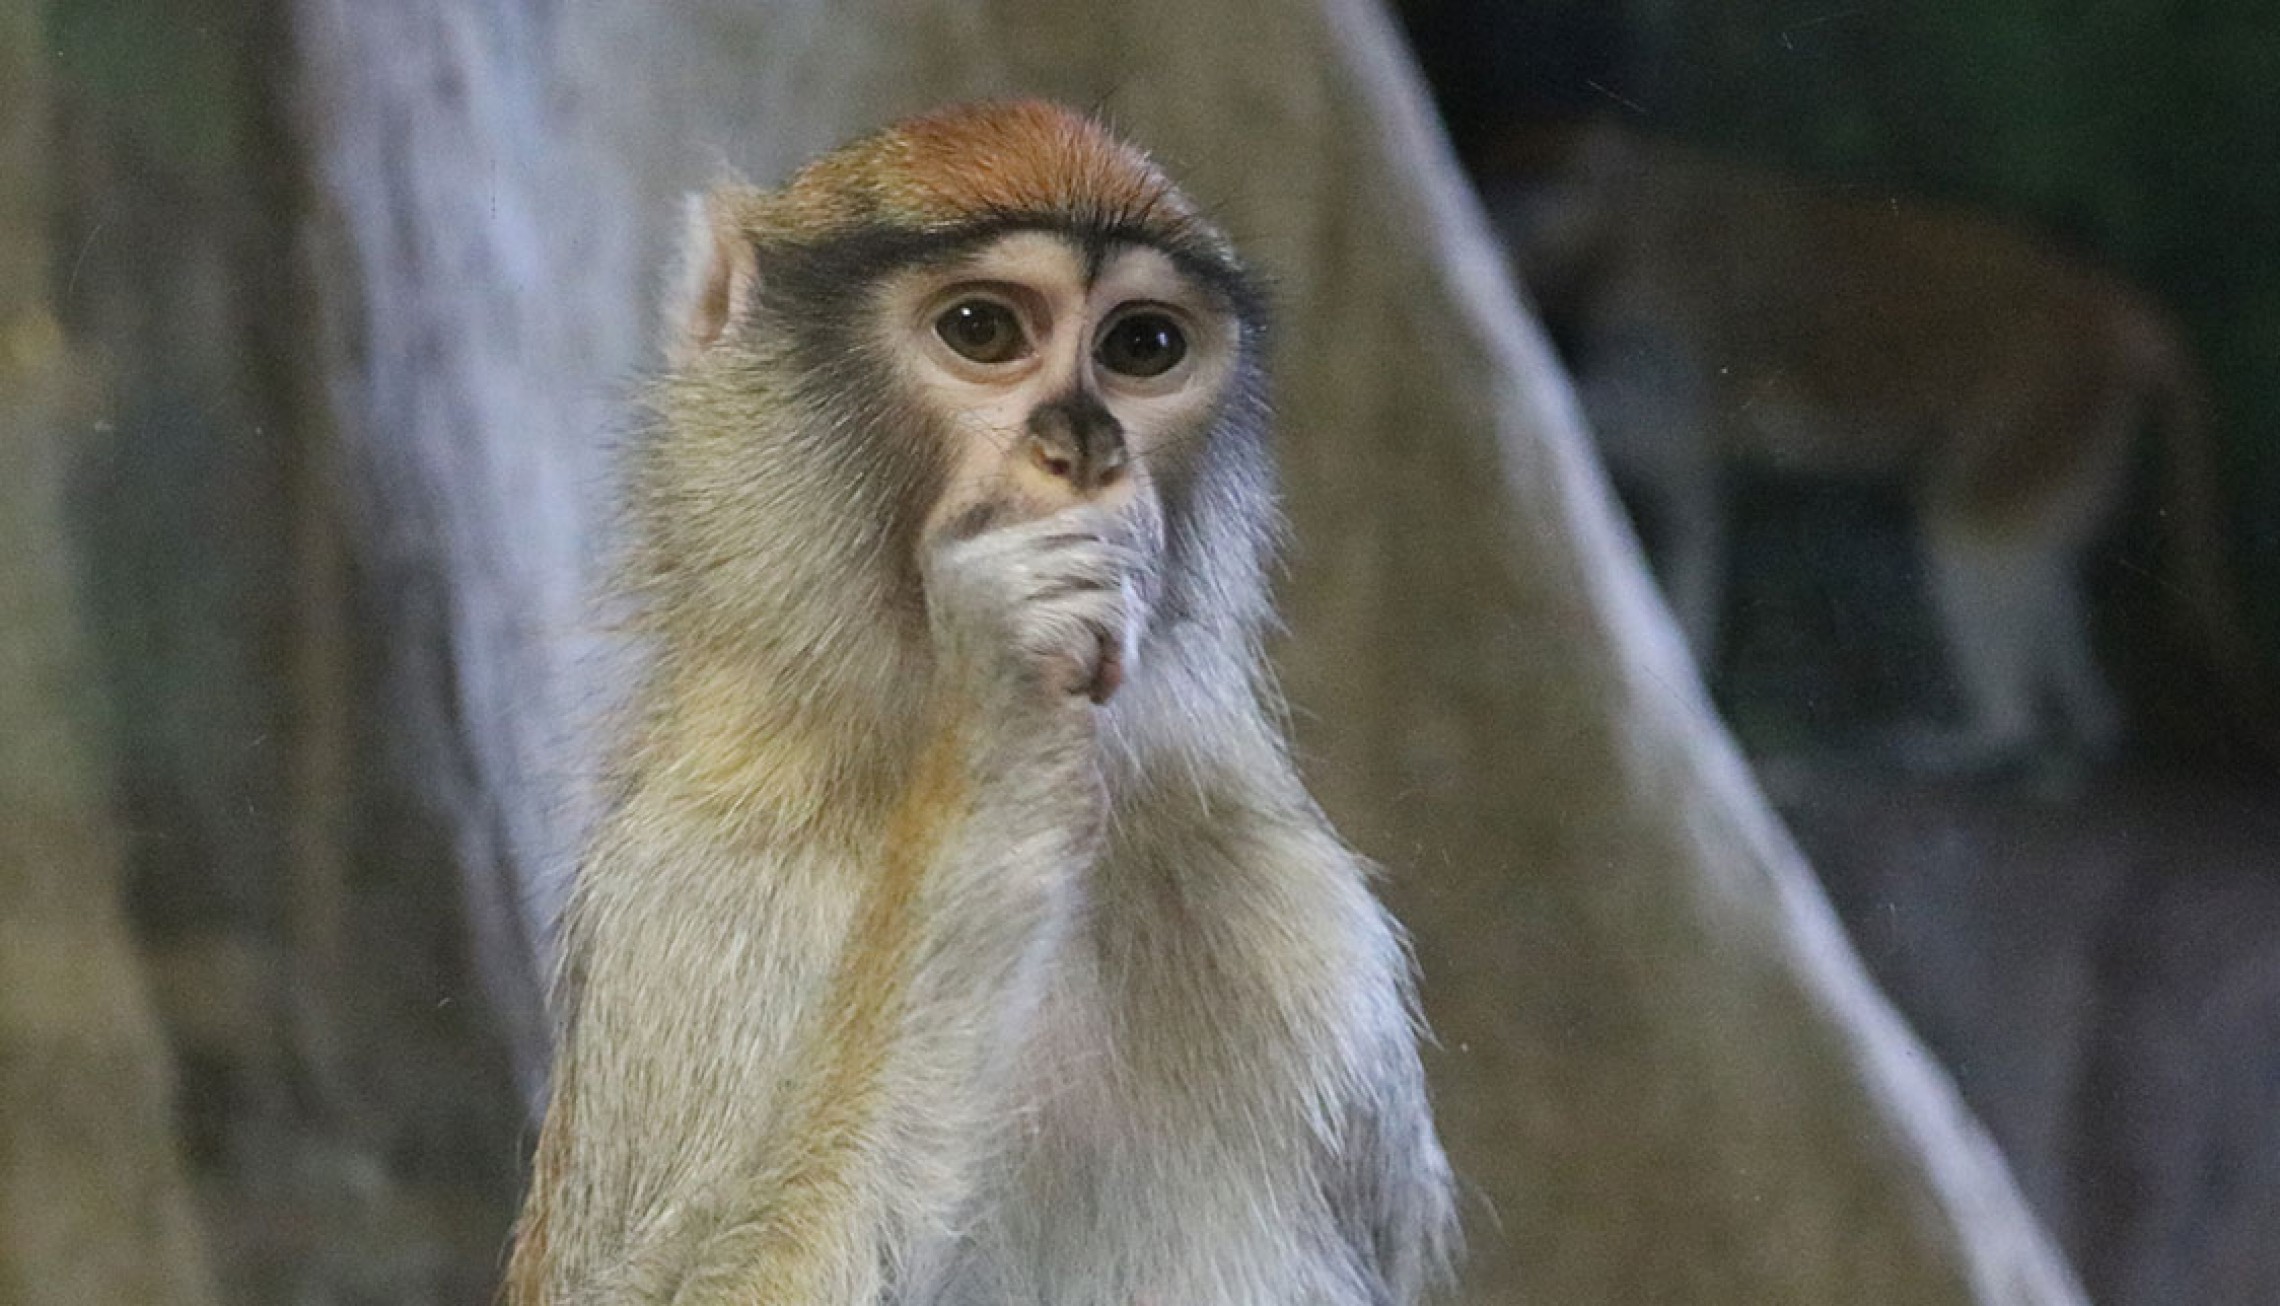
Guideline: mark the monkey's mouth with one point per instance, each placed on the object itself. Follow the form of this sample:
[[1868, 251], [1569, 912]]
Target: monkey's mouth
[[1108, 671]]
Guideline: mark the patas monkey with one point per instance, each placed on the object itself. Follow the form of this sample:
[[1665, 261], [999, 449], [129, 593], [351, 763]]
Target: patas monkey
[[960, 932], [1720, 315]]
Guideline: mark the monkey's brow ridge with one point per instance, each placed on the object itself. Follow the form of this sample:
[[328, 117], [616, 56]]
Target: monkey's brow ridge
[[867, 255]]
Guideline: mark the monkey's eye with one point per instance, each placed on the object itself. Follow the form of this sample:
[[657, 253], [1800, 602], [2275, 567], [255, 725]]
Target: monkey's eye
[[1142, 345], [982, 330]]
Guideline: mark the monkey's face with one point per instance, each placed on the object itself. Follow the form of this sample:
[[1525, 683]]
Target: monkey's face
[[1061, 370]]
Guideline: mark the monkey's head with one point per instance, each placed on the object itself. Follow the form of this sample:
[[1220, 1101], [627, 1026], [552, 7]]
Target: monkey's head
[[984, 314]]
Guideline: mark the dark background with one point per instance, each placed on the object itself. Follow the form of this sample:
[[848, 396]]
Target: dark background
[[2136, 135]]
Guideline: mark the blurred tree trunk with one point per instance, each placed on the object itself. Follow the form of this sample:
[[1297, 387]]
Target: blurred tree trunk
[[93, 1207], [345, 1104], [1663, 1074]]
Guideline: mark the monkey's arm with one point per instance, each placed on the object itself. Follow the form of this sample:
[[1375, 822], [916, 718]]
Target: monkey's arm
[[856, 1083], [1280, 1026], [1378, 1162]]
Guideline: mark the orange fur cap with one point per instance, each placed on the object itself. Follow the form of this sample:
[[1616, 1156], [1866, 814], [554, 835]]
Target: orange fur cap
[[994, 160]]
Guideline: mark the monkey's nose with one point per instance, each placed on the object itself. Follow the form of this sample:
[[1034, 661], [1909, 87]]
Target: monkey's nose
[[1076, 439]]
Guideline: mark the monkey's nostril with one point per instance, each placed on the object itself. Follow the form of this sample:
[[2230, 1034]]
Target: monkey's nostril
[[1053, 463]]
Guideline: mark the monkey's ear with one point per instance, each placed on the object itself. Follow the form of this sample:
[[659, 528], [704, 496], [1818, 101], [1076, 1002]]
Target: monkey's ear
[[719, 272]]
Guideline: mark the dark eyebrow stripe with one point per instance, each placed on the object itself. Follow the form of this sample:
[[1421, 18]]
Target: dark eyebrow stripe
[[831, 266]]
